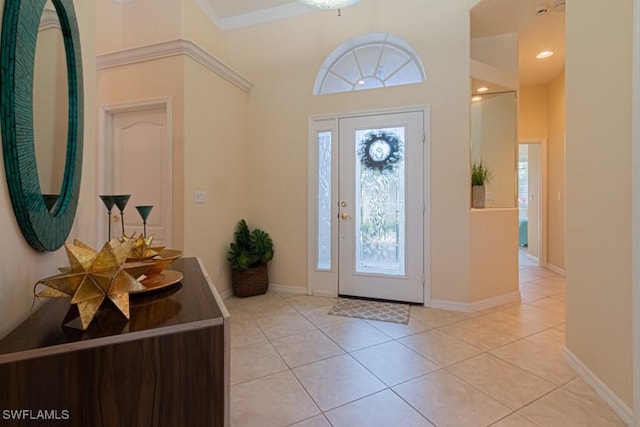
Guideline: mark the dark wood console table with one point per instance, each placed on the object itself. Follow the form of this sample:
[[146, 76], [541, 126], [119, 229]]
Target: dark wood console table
[[167, 366]]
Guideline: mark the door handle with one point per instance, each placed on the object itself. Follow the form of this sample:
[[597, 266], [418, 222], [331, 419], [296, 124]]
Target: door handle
[[345, 216]]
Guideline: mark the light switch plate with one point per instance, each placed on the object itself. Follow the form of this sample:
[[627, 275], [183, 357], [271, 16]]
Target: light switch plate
[[200, 196]]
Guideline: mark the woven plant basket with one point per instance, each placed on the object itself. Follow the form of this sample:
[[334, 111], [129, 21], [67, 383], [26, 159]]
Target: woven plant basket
[[254, 281]]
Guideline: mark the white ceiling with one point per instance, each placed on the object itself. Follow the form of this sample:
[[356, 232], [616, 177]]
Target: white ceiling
[[489, 17]]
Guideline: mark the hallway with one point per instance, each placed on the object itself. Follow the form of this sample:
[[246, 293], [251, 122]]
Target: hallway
[[292, 364]]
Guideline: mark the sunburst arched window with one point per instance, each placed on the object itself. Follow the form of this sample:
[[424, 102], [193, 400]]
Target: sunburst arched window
[[369, 61]]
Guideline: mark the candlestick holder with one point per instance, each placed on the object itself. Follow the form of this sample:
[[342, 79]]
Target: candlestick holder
[[144, 212], [121, 201], [108, 203]]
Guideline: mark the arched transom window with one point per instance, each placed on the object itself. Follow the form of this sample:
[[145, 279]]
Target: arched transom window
[[369, 61]]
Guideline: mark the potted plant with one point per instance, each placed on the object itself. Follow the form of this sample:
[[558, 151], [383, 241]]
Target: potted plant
[[248, 255], [480, 175]]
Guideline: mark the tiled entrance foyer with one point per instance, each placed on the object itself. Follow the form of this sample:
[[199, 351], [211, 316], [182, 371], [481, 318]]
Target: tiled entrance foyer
[[292, 364]]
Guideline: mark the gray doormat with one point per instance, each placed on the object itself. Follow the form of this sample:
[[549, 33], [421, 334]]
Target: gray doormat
[[371, 310]]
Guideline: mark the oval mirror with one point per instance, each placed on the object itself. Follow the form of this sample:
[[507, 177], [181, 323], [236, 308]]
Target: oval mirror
[[44, 229], [50, 105]]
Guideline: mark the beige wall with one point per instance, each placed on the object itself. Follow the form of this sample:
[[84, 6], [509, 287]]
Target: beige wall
[[599, 315], [494, 253], [556, 172], [215, 151], [197, 27], [130, 24], [21, 265], [532, 112], [145, 81], [541, 116], [283, 69]]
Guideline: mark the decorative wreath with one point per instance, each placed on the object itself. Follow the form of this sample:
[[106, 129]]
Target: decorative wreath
[[380, 151]]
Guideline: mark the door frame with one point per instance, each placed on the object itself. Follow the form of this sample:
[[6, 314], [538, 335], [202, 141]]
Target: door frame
[[105, 139], [325, 282], [542, 212]]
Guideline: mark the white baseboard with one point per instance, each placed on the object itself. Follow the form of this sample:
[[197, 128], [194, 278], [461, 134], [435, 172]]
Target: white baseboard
[[288, 289], [617, 405], [477, 305], [555, 269], [226, 294]]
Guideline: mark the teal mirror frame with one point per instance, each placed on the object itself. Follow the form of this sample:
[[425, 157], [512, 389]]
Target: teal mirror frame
[[43, 230]]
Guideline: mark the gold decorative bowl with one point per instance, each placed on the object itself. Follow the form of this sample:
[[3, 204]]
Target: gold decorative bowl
[[153, 266]]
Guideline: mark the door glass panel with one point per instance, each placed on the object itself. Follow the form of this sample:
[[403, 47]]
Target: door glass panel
[[324, 201], [380, 201]]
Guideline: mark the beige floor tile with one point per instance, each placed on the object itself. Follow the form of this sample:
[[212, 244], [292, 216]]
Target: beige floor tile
[[239, 315], [246, 333], [394, 363], [536, 314], [529, 296], [379, 410], [321, 318], [317, 421], [509, 385], [553, 338], [511, 325], [284, 324], [562, 327], [572, 405], [304, 348], [479, 334], [254, 361], [448, 401], [309, 302], [546, 362], [398, 330], [552, 304], [268, 304], [514, 420], [337, 381], [355, 335], [440, 348], [276, 400], [433, 318]]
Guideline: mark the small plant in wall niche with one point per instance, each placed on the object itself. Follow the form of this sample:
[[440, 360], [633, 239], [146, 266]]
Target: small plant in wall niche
[[480, 176]]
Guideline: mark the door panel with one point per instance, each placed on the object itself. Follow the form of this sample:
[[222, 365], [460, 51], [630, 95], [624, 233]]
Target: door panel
[[142, 167], [381, 209]]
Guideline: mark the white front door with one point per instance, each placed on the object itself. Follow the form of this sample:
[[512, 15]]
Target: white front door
[[140, 165], [381, 206]]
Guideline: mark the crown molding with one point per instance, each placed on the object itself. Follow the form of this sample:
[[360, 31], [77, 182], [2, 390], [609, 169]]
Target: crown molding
[[168, 49], [49, 20]]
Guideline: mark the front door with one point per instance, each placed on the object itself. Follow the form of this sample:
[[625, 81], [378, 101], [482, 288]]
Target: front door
[[381, 207]]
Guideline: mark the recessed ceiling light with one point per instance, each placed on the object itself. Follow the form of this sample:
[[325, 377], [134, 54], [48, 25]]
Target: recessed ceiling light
[[482, 89], [476, 98], [544, 54]]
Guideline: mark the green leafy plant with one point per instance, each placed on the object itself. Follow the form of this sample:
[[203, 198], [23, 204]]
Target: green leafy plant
[[480, 173], [250, 248]]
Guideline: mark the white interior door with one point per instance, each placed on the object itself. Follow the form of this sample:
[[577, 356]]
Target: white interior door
[[381, 207], [141, 166]]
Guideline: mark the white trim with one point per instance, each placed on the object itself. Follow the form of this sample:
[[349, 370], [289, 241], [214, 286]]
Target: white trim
[[105, 121], [209, 12], [558, 270], [312, 273], [262, 16], [543, 233], [49, 20], [122, 1], [473, 307], [167, 49], [617, 405], [287, 289], [635, 214], [226, 294]]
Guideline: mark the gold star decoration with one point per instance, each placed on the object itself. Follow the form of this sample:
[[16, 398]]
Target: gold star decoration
[[93, 277], [141, 249]]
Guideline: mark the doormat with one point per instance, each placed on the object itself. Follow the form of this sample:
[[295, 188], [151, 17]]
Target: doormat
[[371, 310]]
